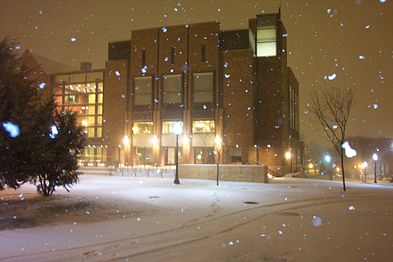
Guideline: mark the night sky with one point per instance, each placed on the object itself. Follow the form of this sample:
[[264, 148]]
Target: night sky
[[349, 39]]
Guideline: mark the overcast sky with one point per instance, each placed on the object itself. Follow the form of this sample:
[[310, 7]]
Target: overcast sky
[[348, 40]]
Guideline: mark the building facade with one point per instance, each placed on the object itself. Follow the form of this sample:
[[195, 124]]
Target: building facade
[[230, 93]]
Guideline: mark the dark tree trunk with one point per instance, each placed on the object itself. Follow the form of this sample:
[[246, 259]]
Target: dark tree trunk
[[342, 167], [218, 170]]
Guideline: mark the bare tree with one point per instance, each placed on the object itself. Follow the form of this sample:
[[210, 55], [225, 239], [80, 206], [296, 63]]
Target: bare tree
[[332, 109]]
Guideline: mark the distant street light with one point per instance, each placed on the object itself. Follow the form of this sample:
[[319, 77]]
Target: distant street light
[[218, 142], [364, 166], [288, 155], [154, 140], [375, 158], [178, 129], [328, 158], [126, 143]]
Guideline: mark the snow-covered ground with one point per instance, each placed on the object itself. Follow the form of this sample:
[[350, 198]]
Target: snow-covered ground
[[150, 219]]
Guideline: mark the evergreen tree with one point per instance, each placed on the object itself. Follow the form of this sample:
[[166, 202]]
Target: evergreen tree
[[37, 144], [18, 97], [56, 145]]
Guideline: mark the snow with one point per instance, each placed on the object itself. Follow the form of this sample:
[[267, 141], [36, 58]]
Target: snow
[[12, 129], [151, 219]]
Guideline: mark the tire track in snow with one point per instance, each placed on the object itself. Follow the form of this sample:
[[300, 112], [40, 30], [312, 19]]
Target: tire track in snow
[[99, 251]]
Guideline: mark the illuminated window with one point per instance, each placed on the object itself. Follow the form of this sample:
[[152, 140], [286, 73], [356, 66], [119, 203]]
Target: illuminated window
[[100, 98], [92, 99], [172, 89], [266, 41], [99, 131], [143, 90], [203, 127], [90, 132], [71, 99], [168, 127], [82, 94], [202, 90], [91, 110], [142, 128]]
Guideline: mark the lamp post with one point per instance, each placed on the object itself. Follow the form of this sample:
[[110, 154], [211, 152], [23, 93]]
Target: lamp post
[[364, 167], [218, 142], [257, 154], [177, 130], [288, 157], [328, 159], [375, 158], [126, 142], [119, 154]]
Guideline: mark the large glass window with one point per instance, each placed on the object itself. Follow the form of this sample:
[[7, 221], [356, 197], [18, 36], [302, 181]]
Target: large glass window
[[202, 88], [172, 89], [142, 128], [168, 127], [79, 93], [143, 90], [203, 127], [266, 41]]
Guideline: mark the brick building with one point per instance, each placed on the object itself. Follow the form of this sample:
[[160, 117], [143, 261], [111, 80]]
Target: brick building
[[231, 92]]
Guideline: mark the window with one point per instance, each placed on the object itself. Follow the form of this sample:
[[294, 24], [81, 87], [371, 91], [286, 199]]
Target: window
[[202, 91], [204, 155], [173, 55], [82, 94], [234, 154], [203, 53], [203, 127], [172, 89], [168, 127], [144, 156], [71, 99], [142, 128], [142, 90], [266, 41]]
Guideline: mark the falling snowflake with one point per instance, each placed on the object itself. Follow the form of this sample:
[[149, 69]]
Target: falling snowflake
[[12, 129], [362, 57], [42, 85], [53, 132], [351, 208], [316, 221], [330, 77]]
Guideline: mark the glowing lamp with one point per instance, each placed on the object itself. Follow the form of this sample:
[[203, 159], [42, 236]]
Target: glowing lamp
[[178, 129], [154, 140], [218, 140], [126, 140], [288, 155]]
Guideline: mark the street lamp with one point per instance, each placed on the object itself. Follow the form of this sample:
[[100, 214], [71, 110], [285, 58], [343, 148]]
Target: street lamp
[[218, 142], [364, 166], [257, 153], [288, 157], [177, 130], [375, 158], [119, 154], [126, 142], [328, 158]]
